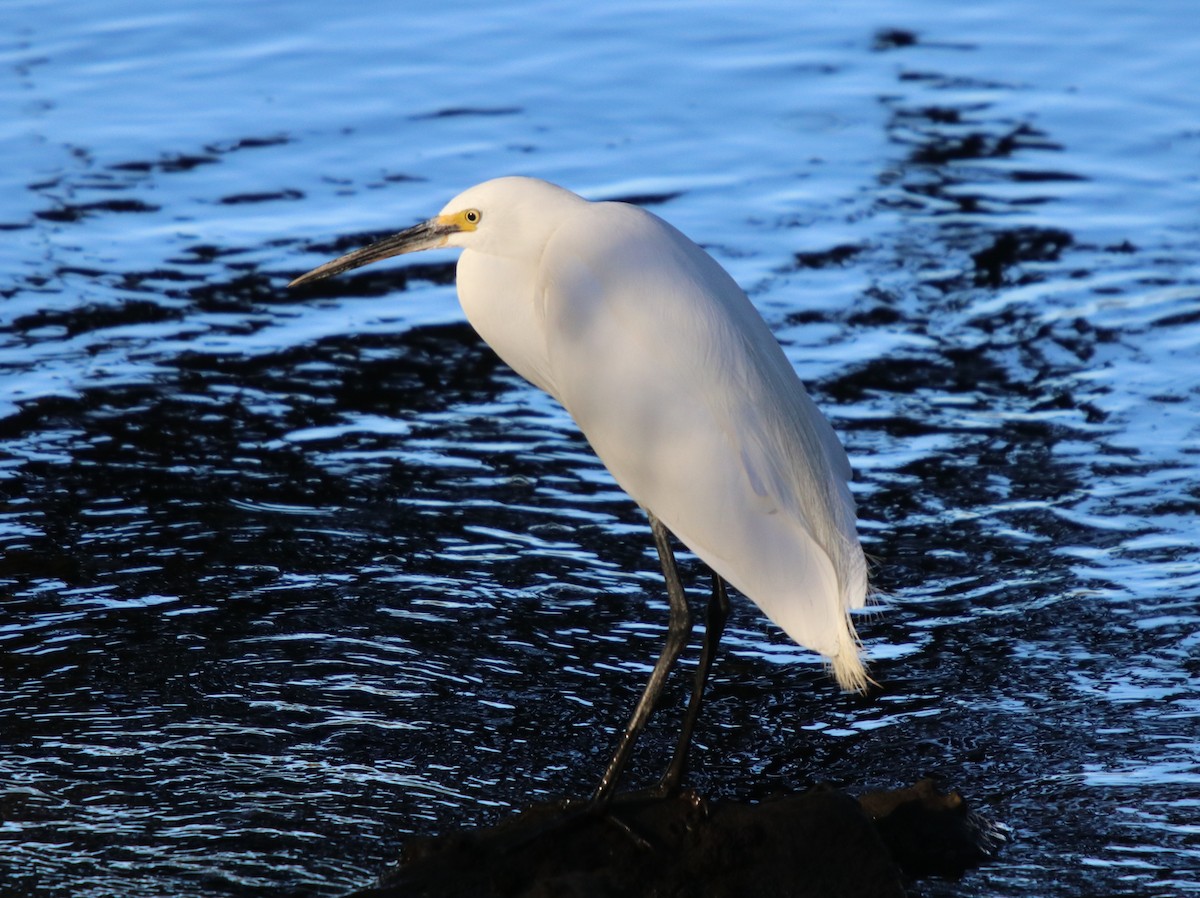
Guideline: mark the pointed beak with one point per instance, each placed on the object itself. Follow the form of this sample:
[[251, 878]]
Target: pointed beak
[[426, 235]]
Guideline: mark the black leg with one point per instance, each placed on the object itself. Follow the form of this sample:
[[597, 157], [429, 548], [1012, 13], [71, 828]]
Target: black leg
[[714, 626], [679, 628]]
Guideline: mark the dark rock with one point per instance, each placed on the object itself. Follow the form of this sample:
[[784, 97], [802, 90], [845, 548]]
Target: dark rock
[[819, 843], [930, 832]]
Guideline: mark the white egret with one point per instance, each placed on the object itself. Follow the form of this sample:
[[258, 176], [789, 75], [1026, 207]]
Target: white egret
[[683, 393]]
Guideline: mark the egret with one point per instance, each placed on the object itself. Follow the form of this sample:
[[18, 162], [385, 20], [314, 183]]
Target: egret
[[684, 394]]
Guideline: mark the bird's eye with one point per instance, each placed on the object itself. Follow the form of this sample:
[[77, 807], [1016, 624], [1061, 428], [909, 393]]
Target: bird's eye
[[472, 216]]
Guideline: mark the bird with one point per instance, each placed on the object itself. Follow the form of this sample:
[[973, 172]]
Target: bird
[[684, 394]]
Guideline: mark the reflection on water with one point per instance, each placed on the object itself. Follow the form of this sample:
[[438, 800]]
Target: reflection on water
[[285, 581]]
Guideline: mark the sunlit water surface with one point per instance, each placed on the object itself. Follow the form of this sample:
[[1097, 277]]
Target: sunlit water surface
[[287, 579]]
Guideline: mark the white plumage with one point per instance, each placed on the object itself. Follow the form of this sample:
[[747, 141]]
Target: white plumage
[[682, 391]]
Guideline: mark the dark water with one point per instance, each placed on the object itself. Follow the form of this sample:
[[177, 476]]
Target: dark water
[[288, 580]]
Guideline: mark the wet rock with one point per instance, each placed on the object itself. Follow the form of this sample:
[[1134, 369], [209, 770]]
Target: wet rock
[[932, 832], [819, 843]]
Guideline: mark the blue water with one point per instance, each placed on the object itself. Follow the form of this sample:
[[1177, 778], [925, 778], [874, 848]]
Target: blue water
[[286, 580]]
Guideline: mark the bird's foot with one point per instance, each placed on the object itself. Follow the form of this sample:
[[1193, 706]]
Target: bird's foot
[[627, 804], [619, 811]]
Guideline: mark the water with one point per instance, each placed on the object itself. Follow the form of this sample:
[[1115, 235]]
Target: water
[[288, 579]]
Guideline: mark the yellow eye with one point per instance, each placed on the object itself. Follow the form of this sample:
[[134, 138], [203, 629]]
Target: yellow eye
[[472, 216]]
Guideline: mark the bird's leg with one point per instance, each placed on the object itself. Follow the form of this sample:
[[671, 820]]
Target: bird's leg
[[679, 628], [714, 626]]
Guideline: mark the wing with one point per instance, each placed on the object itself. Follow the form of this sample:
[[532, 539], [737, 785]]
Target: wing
[[689, 401]]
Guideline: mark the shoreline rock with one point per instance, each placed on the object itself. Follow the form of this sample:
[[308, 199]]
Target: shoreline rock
[[822, 842]]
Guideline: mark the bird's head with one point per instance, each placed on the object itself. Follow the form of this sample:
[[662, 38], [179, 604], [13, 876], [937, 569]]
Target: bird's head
[[505, 216]]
